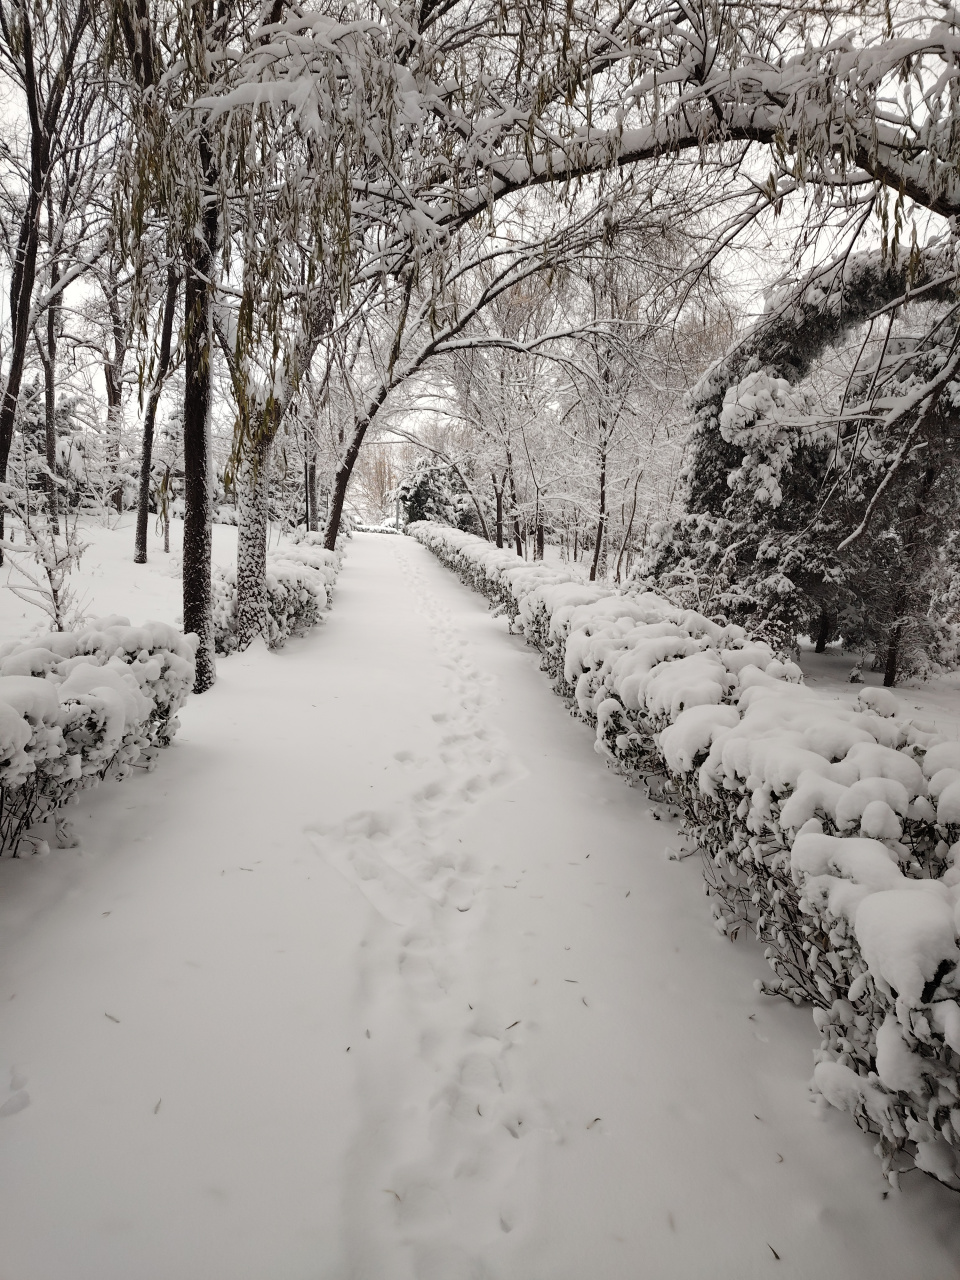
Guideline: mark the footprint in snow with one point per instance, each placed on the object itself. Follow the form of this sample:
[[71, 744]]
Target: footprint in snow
[[19, 1098]]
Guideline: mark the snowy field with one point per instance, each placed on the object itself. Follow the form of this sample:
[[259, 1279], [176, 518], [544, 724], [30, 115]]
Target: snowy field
[[381, 975]]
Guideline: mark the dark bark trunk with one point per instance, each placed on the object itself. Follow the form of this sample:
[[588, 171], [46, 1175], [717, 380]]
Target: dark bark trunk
[[911, 568], [312, 522], [823, 632], [150, 417], [629, 530], [49, 361], [114, 429], [498, 493], [517, 536], [893, 654], [197, 610], [113, 363], [340, 483], [539, 540], [344, 472], [50, 440], [602, 520]]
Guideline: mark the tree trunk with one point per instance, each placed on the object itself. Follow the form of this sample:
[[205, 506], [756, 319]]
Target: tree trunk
[[341, 480], [498, 493], [539, 540], [197, 533], [602, 520], [49, 361], [22, 281], [629, 530], [517, 538], [113, 433], [313, 523], [893, 653], [150, 417], [253, 494], [823, 632], [113, 363]]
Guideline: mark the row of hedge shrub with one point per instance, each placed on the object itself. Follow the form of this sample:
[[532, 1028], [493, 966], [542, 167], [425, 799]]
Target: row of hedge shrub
[[80, 706], [828, 825], [77, 707]]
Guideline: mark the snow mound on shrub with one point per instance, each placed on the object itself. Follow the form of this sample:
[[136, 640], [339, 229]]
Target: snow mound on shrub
[[79, 706], [299, 580]]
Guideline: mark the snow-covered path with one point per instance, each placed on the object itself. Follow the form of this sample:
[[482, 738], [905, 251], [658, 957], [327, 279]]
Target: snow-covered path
[[382, 975]]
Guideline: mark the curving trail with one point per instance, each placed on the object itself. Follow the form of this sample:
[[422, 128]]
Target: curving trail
[[383, 976]]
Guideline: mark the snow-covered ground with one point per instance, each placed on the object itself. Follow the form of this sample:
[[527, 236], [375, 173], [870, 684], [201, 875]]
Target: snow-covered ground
[[109, 582], [936, 701], [382, 975]]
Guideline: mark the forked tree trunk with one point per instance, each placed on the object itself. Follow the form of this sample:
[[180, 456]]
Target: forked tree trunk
[[253, 490]]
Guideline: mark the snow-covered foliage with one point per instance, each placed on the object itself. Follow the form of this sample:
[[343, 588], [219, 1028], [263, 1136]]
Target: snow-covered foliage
[[819, 499], [299, 580], [830, 827], [435, 492], [80, 706]]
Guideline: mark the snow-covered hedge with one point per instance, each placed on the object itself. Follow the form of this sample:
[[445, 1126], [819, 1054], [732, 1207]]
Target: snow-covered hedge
[[830, 827], [299, 580], [79, 706]]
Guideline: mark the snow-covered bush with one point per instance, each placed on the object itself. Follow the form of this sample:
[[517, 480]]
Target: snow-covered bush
[[299, 580], [386, 527], [829, 826], [79, 706]]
